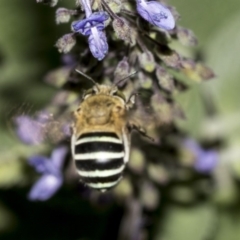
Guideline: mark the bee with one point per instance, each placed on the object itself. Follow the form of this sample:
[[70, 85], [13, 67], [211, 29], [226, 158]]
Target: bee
[[100, 141]]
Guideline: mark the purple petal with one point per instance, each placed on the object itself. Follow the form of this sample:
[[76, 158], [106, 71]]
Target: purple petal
[[45, 187], [206, 162], [193, 146], [58, 156], [155, 13], [87, 7], [29, 130], [40, 163], [84, 26], [98, 44], [100, 16], [68, 60]]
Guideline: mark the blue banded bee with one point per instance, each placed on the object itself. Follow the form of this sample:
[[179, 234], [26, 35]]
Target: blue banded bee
[[100, 141]]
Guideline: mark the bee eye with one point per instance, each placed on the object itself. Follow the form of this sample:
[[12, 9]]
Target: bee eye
[[118, 108], [89, 92], [78, 110], [109, 104]]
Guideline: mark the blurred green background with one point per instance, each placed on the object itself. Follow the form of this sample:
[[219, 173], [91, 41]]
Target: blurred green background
[[27, 35]]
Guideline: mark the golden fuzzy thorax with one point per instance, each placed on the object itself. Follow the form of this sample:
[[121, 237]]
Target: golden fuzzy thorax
[[101, 111]]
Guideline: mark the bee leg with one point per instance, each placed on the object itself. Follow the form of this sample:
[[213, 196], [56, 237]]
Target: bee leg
[[131, 101], [141, 130]]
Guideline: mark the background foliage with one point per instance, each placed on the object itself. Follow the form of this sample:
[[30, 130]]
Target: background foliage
[[28, 33]]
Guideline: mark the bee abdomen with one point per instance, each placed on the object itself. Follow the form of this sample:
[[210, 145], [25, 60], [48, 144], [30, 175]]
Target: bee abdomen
[[99, 159]]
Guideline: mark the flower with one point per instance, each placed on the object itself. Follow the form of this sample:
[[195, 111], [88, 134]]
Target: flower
[[98, 44], [92, 26], [205, 160], [155, 13], [52, 178], [84, 26], [29, 130]]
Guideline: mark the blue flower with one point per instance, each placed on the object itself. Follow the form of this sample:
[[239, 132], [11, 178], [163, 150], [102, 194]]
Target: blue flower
[[52, 177], [98, 44], [29, 130], [205, 160], [155, 13], [84, 26], [92, 26]]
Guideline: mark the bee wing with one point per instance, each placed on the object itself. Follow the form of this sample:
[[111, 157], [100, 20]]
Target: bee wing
[[57, 129], [42, 127]]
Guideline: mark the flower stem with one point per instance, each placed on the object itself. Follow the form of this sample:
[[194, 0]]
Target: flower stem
[[108, 9]]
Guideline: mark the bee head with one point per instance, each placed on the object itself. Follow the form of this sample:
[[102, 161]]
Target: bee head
[[103, 89]]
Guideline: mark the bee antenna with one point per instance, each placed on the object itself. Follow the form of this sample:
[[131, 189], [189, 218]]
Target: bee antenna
[[121, 80], [86, 76]]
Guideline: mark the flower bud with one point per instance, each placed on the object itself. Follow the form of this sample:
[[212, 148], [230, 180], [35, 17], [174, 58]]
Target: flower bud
[[196, 71], [124, 31], [177, 112], [137, 163], [121, 71], [162, 109], [64, 98], [172, 59], [133, 56], [115, 5], [66, 43], [58, 77], [204, 72], [157, 173], [149, 196], [165, 80], [186, 37], [124, 189], [146, 60], [183, 194], [63, 15], [52, 3], [144, 80]]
